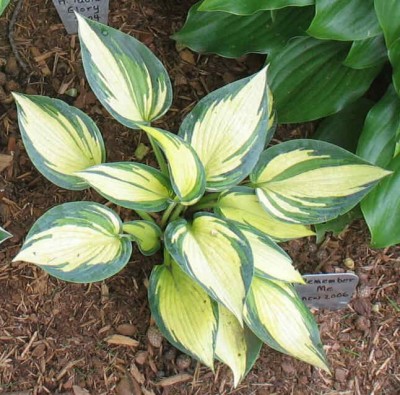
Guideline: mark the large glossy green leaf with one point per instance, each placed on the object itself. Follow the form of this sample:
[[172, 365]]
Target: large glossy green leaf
[[309, 81], [124, 74], [388, 12], [216, 255], [378, 139], [394, 56], [237, 346], [241, 205], [146, 234], [367, 53], [131, 185], [4, 235], [228, 129], [248, 7], [344, 20], [276, 314], [79, 242], [3, 5], [59, 139], [270, 260], [187, 173], [310, 181], [381, 209], [344, 128], [235, 35], [184, 312]]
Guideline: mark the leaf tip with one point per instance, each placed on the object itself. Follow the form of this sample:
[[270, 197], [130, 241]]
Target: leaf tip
[[324, 365], [79, 17], [17, 96], [300, 279], [387, 172], [18, 257]]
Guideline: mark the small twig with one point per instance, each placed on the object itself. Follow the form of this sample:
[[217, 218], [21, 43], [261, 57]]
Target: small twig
[[11, 26], [67, 367], [29, 345]]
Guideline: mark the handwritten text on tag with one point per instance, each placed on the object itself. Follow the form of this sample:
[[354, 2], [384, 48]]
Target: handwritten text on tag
[[96, 10], [331, 291]]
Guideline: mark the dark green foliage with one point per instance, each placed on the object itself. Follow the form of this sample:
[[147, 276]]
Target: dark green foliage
[[322, 65]]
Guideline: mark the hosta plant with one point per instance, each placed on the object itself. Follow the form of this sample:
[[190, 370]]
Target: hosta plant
[[215, 208], [3, 5], [324, 55], [4, 235]]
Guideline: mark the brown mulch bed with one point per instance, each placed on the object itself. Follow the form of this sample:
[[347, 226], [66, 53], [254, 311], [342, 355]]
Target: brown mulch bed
[[55, 336]]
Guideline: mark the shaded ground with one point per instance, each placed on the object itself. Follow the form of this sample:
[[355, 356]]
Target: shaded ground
[[53, 335]]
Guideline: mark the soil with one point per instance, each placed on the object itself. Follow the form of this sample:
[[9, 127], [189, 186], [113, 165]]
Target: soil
[[57, 338]]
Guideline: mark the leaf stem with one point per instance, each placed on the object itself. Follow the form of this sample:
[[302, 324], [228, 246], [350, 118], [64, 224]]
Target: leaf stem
[[177, 212], [209, 197], [203, 206], [167, 258], [167, 214], [249, 184], [159, 156], [145, 216], [207, 201]]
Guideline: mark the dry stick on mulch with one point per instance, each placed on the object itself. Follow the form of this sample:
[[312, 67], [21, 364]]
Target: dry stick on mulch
[[11, 26]]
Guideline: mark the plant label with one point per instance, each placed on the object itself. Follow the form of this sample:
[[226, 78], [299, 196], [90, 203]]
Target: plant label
[[96, 10], [331, 291]]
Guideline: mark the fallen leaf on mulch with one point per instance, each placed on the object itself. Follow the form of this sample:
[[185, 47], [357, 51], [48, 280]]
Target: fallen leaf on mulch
[[147, 392], [362, 306], [128, 386], [5, 161], [126, 329], [139, 377], [79, 390], [187, 56], [179, 378], [121, 340], [154, 336]]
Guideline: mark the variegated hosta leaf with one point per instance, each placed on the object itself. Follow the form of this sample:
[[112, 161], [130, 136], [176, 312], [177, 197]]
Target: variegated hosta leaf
[[310, 181], [124, 74], [236, 346], [216, 255], [131, 185], [79, 242], [3, 5], [276, 314], [270, 260], [228, 129], [241, 204], [185, 314], [146, 234], [4, 235], [59, 139], [186, 171]]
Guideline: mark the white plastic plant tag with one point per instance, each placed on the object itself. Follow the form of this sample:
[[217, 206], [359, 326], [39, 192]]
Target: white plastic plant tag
[[331, 291], [96, 10]]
